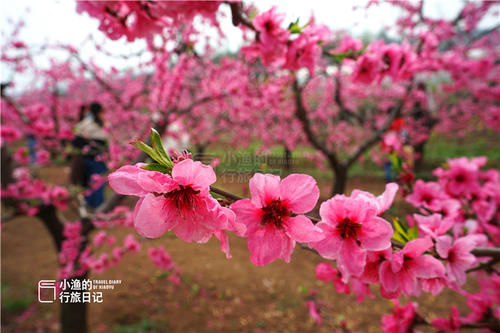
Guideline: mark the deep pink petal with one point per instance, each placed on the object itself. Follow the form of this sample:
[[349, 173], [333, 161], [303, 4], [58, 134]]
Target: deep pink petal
[[150, 219], [376, 234], [300, 192], [264, 188], [301, 229], [325, 272], [194, 174], [329, 246], [265, 245], [352, 256], [125, 181]]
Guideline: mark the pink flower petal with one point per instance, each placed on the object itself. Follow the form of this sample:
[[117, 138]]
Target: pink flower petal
[[329, 246], [158, 182], [388, 278], [375, 234], [247, 214], [352, 257], [189, 229], [300, 191], [443, 246], [264, 188], [417, 247], [427, 267], [385, 200], [150, 218], [265, 245], [301, 229], [194, 174], [224, 242], [124, 181]]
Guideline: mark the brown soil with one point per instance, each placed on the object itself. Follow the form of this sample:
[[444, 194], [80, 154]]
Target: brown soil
[[216, 295]]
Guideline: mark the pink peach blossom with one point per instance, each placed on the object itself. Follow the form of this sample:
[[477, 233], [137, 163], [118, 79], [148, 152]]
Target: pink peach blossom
[[271, 228], [409, 264], [352, 227], [180, 202]]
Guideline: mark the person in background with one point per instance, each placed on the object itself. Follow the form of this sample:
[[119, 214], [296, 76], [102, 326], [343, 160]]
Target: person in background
[[91, 142]]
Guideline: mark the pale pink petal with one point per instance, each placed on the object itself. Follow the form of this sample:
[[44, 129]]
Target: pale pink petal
[[388, 278], [443, 246], [300, 192], [376, 234], [246, 214], [329, 246], [325, 272], [264, 188], [265, 246], [427, 267], [301, 229], [152, 181], [465, 244], [332, 211], [189, 229], [287, 247], [150, 219], [125, 181], [194, 174], [407, 281], [224, 242], [416, 247], [385, 200], [352, 256]]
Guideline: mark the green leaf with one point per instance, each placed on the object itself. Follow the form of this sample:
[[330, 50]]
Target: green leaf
[[413, 233], [158, 147], [397, 237], [147, 149], [303, 289], [400, 235], [396, 162], [157, 167], [294, 27]]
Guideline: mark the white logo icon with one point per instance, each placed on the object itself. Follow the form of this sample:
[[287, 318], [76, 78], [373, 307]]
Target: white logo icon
[[46, 284]]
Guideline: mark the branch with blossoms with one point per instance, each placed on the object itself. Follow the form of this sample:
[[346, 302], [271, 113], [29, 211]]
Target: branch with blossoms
[[175, 195]]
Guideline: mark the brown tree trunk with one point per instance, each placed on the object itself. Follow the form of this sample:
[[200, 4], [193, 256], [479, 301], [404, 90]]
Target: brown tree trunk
[[288, 159], [6, 173], [340, 181], [74, 315], [419, 150]]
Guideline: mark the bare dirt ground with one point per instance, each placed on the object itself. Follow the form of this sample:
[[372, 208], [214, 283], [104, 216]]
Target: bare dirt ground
[[215, 295]]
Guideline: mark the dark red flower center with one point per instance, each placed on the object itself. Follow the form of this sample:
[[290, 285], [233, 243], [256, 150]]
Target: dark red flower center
[[427, 198], [185, 197], [348, 228], [275, 213], [460, 178], [269, 26]]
